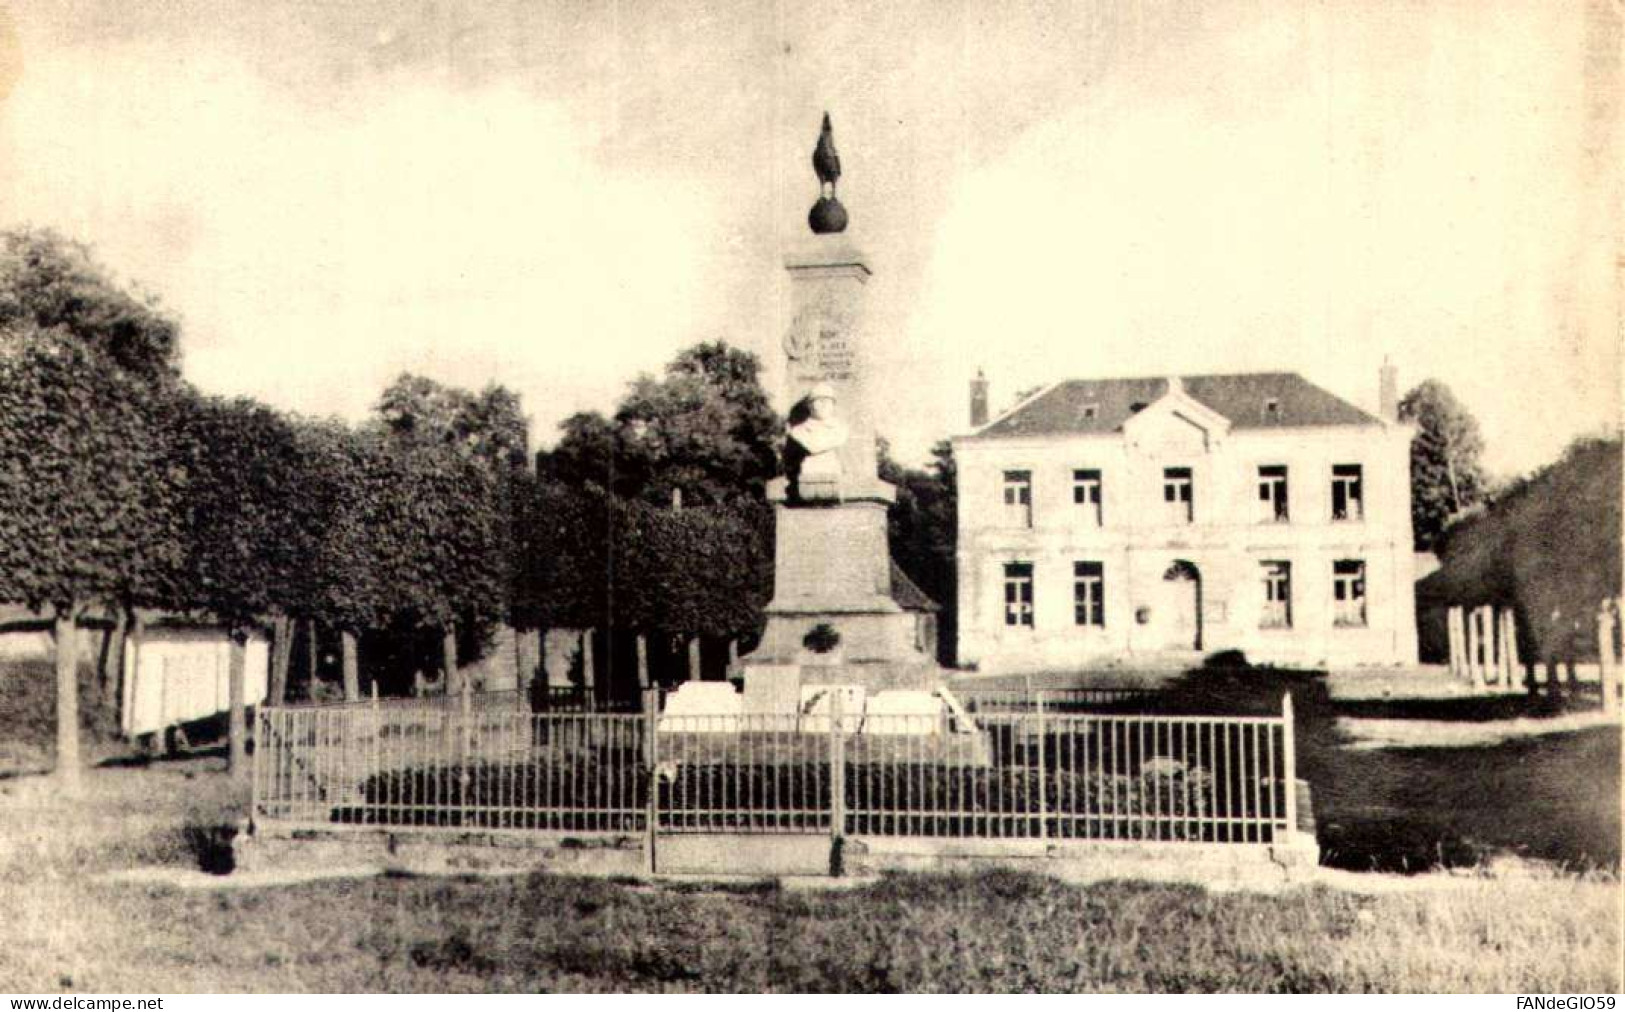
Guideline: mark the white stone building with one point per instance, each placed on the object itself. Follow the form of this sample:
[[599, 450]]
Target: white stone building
[[1158, 521]]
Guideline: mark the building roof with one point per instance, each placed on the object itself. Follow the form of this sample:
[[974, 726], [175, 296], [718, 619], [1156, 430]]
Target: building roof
[[908, 596], [1240, 397]]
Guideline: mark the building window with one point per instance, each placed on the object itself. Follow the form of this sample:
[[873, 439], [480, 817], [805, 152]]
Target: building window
[[1348, 492], [1277, 595], [1086, 493], [1018, 594], [1018, 498], [1272, 494], [1089, 593], [1348, 592], [1177, 495]]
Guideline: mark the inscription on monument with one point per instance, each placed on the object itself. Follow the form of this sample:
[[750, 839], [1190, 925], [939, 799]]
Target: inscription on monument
[[820, 349]]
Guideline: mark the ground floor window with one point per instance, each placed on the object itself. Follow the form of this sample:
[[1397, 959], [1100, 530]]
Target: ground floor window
[[1089, 593], [1277, 595], [1348, 592], [1018, 594]]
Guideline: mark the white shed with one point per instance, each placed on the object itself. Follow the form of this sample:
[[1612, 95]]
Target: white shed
[[180, 675]]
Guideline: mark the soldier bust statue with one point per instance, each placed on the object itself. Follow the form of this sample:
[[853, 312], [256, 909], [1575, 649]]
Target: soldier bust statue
[[813, 455]]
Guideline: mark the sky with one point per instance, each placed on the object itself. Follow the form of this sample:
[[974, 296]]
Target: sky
[[559, 196]]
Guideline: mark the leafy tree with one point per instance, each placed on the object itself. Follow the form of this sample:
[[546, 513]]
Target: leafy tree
[[1446, 473], [90, 506], [489, 425], [250, 535], [52, 282], [923, 528], [705, 428]]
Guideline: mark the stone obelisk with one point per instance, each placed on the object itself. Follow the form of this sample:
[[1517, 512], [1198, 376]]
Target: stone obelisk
[[833, 619]]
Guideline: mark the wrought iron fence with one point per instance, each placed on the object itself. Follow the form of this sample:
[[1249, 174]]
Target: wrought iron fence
[[992, 773]]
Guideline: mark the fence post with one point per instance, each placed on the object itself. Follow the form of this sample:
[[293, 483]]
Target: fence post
[[260, 740], [1289, 766], [837, 768], [1043, 775], [651, 762], [463, 747], [1608, 665]]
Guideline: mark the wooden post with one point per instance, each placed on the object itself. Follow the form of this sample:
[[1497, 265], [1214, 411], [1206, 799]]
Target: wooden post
[[643, 663], [352, 667], [694, 670], [236, 700], [67, 698], [448, 660], [1607, 658]]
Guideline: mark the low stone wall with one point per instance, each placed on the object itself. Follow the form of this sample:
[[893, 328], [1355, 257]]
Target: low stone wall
[[442, 851]]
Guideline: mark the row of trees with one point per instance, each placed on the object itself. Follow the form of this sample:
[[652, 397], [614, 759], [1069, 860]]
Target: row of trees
[[124, 489]]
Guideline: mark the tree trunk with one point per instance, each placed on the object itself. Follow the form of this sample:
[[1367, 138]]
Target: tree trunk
[[67, 699], [448, 660], [643, 662], [112, 675], [312, 659], [694, 670], [236, 699], [135, 635], [352, 668], [281, 654]]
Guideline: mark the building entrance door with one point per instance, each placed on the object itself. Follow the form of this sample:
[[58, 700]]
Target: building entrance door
[[1180, 607]]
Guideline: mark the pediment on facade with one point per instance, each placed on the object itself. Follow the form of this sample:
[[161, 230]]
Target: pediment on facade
[[1176, 420]]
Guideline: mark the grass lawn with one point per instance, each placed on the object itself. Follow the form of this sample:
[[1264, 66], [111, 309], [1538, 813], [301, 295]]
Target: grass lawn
[[67, 929]]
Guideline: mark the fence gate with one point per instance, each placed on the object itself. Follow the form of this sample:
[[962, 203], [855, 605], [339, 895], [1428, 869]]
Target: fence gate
[[742, 794]]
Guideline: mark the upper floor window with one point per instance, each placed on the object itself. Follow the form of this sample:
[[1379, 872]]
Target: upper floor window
[[1348, 492], [1018, 498], [1177, 495], [1089, 593], [1086, 493], [1277, 612], [1272, 494], [1348, 592], [1018, 594]]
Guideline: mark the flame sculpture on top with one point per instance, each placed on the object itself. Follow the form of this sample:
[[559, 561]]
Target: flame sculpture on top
[[827, 216]]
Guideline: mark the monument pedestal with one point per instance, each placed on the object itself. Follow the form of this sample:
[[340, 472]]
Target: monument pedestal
[[832, 567]]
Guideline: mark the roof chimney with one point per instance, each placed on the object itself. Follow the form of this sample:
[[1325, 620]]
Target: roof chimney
[[978, 401], [1388, 391]]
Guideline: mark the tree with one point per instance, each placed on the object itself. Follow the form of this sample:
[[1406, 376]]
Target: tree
[[705, 428], [90, 509], [923, 527], [52, 282], [446, 427], [1446, 473], [489, 426]]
